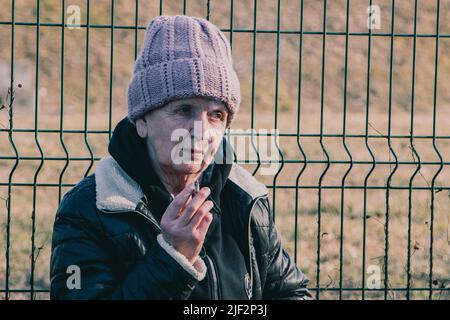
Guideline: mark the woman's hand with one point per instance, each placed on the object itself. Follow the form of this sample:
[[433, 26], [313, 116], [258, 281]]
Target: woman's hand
[[185, 222]]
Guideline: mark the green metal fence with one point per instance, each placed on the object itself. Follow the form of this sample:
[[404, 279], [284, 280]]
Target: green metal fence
[[310, 151]]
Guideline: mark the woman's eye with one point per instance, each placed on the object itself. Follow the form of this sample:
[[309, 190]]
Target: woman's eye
[[217, 115]]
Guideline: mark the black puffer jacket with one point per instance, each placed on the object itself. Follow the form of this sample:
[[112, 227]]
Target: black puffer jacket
[[107, 226]]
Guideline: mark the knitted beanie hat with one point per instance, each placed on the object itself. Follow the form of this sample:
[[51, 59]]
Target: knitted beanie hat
[[182, 57]]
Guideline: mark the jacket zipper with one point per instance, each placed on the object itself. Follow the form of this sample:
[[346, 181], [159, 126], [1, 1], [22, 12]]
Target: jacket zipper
[[154, 223], [150, 219], [214, 290], [249, 245]]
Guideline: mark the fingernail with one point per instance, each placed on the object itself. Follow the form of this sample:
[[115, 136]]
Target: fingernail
[[197, 186]]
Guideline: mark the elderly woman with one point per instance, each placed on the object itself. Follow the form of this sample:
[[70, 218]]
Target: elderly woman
[[163, 217]]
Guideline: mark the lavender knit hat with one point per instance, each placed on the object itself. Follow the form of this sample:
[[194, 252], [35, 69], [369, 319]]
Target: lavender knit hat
[[182, 57]]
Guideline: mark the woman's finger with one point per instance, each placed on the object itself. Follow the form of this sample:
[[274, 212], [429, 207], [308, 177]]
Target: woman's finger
[[180, 201], [204, 223], [195, 203], [200, 214]]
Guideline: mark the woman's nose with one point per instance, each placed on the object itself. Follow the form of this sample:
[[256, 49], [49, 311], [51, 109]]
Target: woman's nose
[[200, 125]]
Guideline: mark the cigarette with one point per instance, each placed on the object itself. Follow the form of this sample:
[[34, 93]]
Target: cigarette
[[196, 186]]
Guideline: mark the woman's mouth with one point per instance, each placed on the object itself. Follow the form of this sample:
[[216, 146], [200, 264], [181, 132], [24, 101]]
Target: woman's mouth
[[195, 151]]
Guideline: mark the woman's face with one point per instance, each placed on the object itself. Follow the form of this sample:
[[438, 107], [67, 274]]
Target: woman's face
[[183, 136]]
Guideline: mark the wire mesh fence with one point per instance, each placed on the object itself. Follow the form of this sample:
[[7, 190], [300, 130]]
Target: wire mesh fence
[[355, 93]]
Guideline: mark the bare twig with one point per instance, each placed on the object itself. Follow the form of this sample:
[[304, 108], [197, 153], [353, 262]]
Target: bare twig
[[331, 283], [6, 202], [381, 261], [10, 96], [441, 284], [420, 172], [448, 235], [389, 151], [376, 219], [370, 125]]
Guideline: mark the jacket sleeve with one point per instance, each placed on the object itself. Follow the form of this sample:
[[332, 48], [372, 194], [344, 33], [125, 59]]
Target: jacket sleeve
[[78, 242], [284, 280]]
